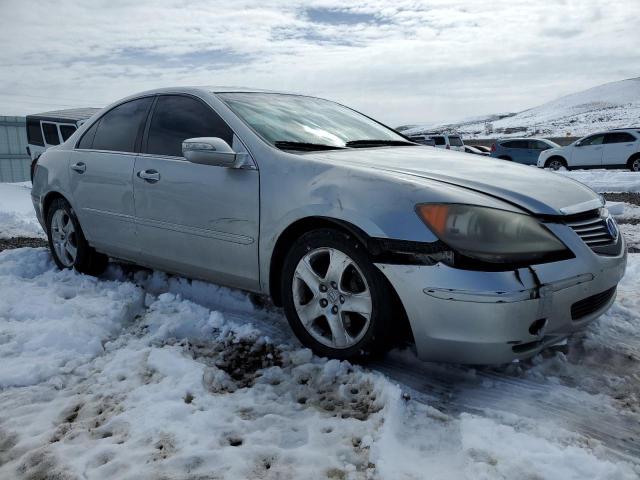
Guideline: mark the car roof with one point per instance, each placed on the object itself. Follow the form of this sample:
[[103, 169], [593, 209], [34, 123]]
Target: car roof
[[71, 114]]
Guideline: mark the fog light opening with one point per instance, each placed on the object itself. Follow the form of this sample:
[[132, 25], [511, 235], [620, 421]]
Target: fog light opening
[[537, 327]]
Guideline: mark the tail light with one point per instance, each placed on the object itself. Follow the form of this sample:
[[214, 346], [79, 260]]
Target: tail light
[[493, 147], [34, 167]]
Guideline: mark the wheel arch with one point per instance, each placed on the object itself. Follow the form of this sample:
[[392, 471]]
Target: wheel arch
[[295, 231], [556, 157], [48, 200], [632, 158]]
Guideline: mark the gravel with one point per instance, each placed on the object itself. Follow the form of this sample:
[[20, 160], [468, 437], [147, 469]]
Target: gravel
[[628, 197], [20, 242]]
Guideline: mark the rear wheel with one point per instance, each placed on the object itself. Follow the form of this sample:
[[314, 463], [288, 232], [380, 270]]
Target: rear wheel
[[337, 302], [556, 163], [68, 246], [634, 164]]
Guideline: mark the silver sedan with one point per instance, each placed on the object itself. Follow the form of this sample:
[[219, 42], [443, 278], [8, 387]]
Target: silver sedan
[[361, 235]]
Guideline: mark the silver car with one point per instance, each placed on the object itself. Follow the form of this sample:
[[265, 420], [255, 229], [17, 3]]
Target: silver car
[[360, 234]]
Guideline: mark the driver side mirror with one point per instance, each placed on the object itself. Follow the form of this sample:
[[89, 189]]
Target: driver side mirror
[[212, 151], [578, 144]]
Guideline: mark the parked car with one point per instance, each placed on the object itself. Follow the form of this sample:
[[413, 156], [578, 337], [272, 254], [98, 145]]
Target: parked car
[[521, 150], [355, 231], [475, 151], [483, 148], [618, 148], [48, 129], [423, 140], [440, 140]]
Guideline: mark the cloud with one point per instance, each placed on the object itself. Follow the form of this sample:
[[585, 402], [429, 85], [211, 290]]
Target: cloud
[[401, 61]]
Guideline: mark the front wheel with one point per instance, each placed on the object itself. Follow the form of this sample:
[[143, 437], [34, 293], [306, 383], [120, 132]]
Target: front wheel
[[68, 246], [555, 164], [337, 302]]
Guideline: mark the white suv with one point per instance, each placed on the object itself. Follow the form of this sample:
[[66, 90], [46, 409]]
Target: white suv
[[618, 148], [440, 140]]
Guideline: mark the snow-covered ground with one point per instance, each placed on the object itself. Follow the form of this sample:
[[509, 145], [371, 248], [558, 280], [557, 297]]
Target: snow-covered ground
[[141, 375], [17, 217], [612, 105]]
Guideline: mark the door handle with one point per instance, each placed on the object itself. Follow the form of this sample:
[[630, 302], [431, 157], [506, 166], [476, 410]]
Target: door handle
[[151, 176], [79, 167]]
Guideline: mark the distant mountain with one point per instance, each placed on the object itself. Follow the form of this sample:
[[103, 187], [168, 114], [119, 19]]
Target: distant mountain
[[612, 105]]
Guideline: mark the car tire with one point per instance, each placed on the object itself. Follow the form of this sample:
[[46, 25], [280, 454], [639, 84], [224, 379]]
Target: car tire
[[67, 243], [555, 163], [336, 301], [634, 163]]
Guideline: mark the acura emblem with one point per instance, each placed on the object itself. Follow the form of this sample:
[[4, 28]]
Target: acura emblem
[[612, 228]]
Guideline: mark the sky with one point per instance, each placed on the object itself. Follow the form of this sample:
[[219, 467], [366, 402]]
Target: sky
[[402, 61]]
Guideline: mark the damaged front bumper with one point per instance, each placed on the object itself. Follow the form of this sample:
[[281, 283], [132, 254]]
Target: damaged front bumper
[[476, 317]]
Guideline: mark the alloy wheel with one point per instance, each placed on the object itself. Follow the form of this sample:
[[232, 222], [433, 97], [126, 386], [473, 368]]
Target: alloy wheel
[[63, 235], [332, 298], [635, 165], [555, 164]]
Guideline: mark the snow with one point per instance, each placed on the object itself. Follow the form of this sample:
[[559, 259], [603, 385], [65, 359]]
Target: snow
[[139, 374], [17, 218], [602, 180], [612, 105]]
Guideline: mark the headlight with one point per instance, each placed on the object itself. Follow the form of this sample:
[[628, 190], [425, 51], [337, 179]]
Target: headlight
[[489, 234]]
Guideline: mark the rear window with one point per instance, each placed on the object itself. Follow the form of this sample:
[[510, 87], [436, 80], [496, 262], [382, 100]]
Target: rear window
[[34, 134], [66, 131], [50, 133], [438, 140], [455, 141]]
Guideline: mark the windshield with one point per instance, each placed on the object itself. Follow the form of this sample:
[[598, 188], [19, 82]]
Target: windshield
[[287, 121], [455, 141]]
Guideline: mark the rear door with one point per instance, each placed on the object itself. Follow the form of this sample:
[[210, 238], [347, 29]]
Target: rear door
[[198, 220], [535, 148], [618, 148], [101, 170], [588, 153]]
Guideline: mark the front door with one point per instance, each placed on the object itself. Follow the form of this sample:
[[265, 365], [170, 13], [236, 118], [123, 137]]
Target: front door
[[589, 152], [101, 170], [197, 220]]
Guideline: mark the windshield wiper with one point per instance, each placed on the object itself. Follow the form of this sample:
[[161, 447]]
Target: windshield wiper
[[304, 146], [377, 143]]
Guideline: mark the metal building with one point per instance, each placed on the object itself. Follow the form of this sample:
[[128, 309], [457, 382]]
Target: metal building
[[14, 161]]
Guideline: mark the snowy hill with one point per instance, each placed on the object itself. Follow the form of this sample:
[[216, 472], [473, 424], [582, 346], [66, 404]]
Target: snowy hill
[[612, 105]]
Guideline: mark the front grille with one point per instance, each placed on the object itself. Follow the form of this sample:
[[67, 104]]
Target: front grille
[[593, 231], [591, 304]]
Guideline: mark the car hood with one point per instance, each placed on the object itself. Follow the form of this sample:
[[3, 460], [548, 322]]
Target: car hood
[[532, 189]]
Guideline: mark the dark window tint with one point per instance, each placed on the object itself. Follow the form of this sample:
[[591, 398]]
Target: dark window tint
[[87, 137], [593, 140], [455, 141], [619, 137], [34, 134], [176, 118], [538, 145], [119, 127], [438, 140], [50, 133], [66, 131], [516, 144]]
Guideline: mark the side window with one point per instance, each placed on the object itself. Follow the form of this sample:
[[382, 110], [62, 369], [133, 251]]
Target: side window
[[619, 137], [438, 140], [50, 131], [516, 144], [118, 129], [538, 145], [34, 134], [455, 141], [176, 118], [86, 142], [66, 131], [593, 140]]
